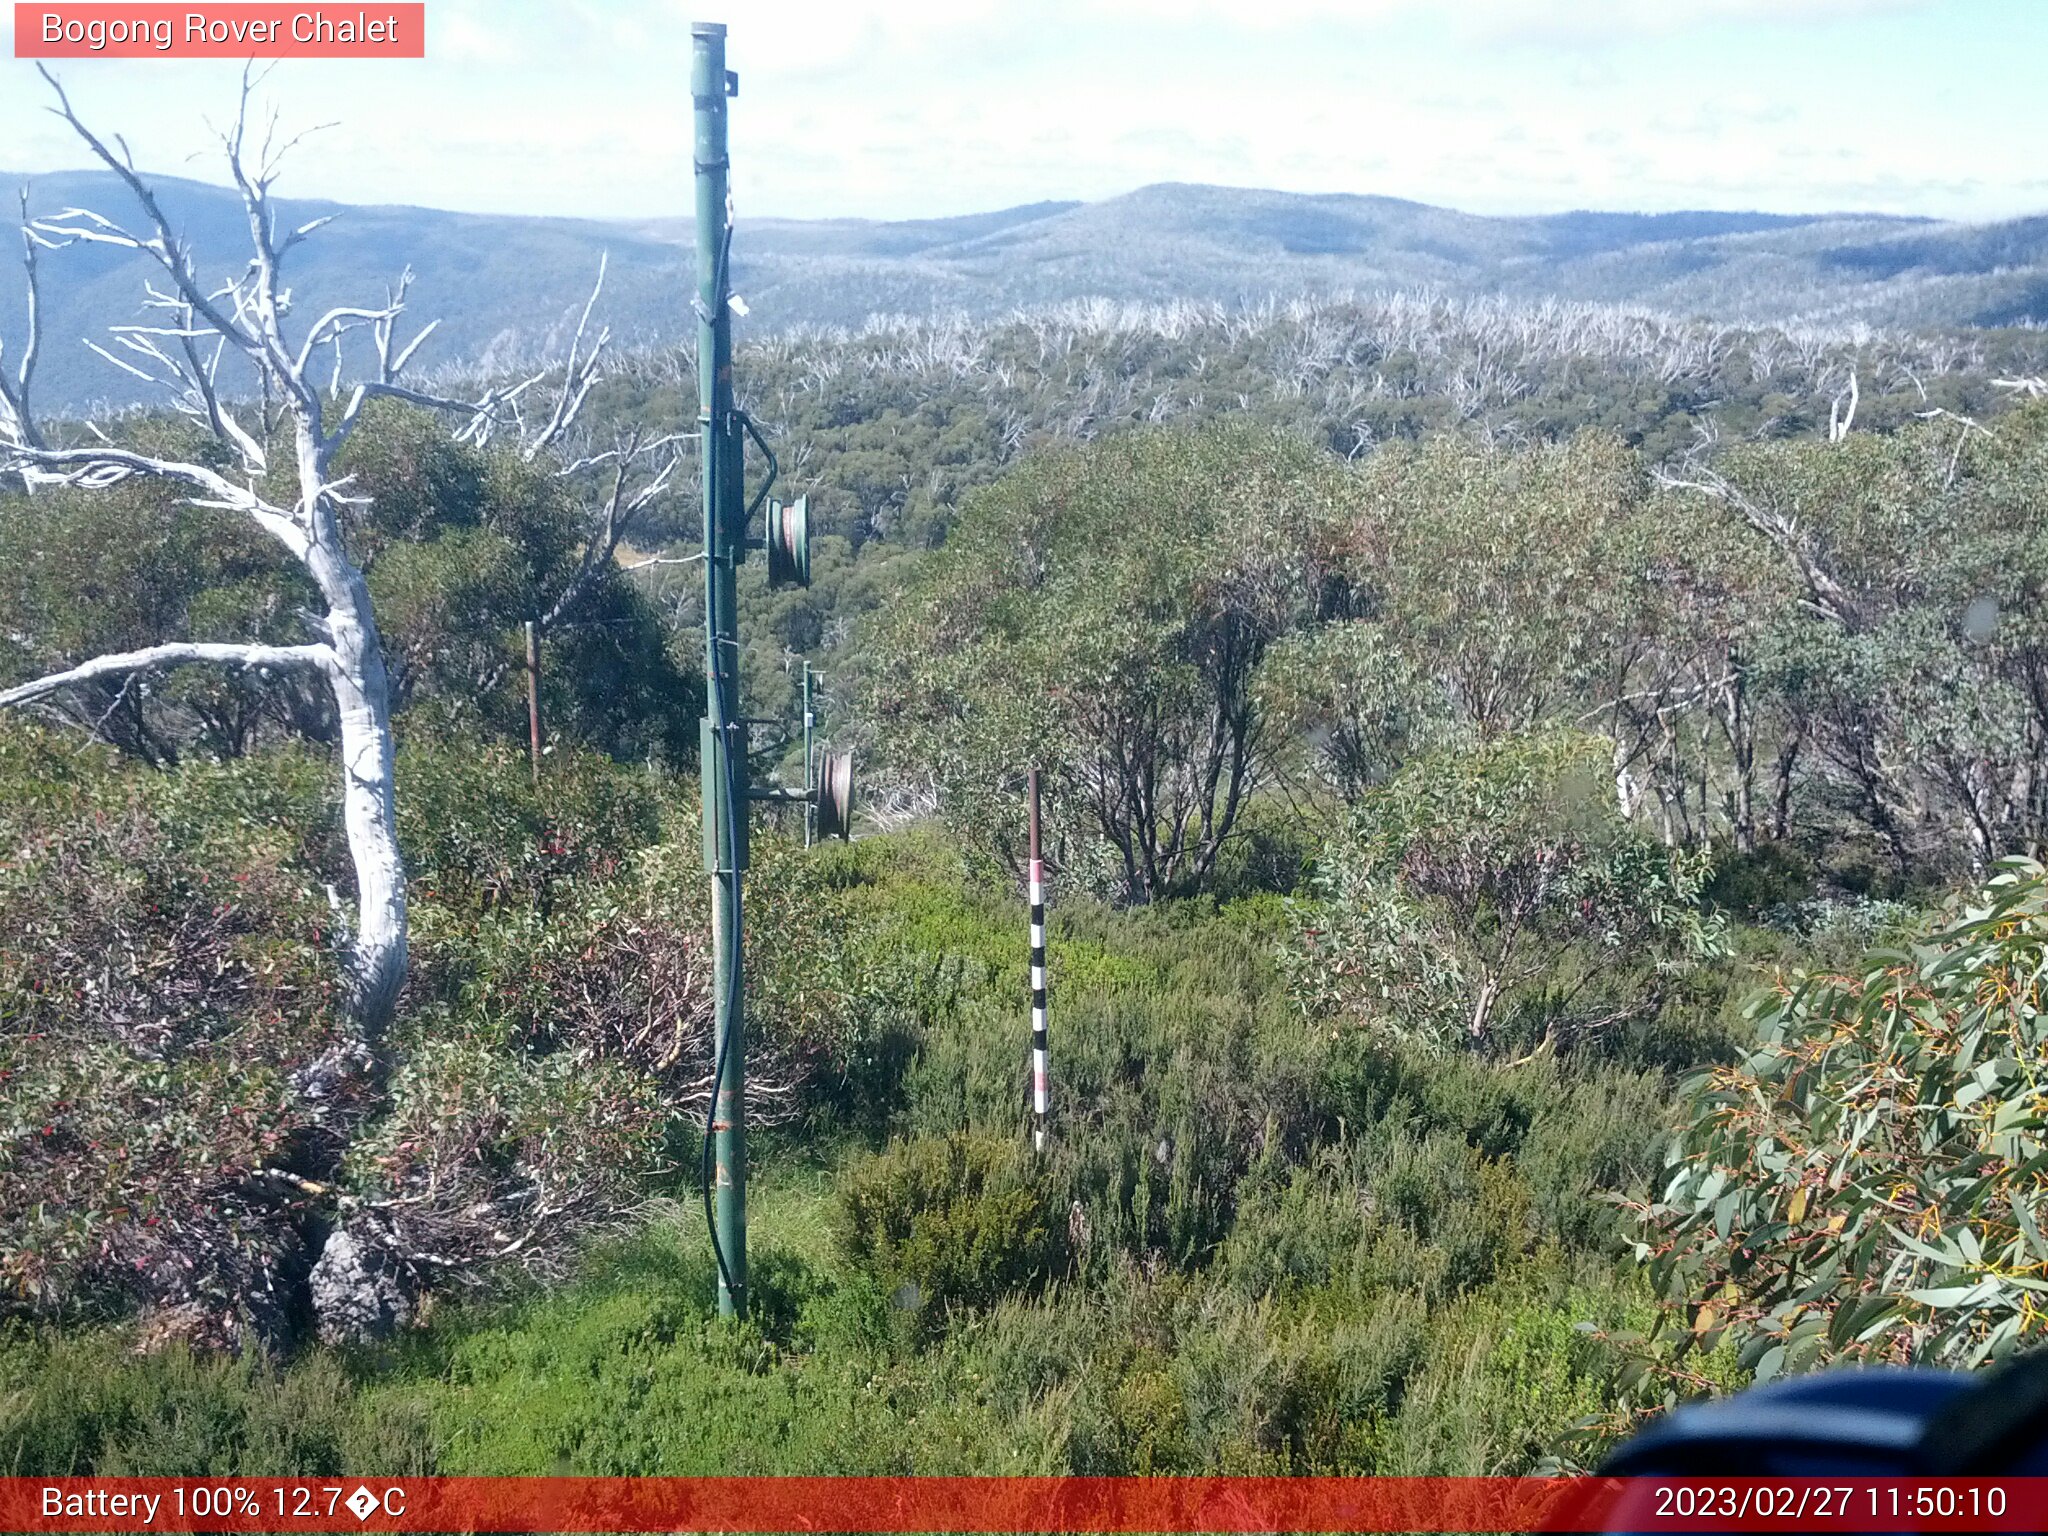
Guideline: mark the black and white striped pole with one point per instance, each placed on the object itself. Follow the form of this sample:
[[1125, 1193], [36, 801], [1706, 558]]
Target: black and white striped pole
[[1040, 1092]]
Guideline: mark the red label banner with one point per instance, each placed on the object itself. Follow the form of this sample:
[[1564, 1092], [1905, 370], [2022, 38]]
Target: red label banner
[[1021, 1504], [240, 31]]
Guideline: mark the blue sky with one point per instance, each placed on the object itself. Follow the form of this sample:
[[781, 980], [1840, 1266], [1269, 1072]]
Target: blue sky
[[915, 108]]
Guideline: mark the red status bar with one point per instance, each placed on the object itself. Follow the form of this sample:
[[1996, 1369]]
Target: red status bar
[[1019, 1504]]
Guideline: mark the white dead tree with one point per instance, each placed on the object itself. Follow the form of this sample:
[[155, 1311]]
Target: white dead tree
[[1842, 409], [194, 327], [16, 419]]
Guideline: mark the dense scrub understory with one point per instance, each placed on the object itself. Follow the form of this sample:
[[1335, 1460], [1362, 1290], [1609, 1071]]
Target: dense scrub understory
[[1261, 1240], [1253, 1244], [1431, 786]]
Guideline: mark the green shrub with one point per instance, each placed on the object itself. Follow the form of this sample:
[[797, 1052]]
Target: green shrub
[[1864, 1183], [170, 984], [1250, 1246], [1774, 875], [1507, 1378], [477, 832], [628, 1372], [954, 1221], [91, 1405], [1492, 896], [167, 971], [1472, 1207], [1393, 1211]]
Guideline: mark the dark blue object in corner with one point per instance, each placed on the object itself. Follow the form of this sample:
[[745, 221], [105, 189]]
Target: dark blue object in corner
[[1869, 1423]]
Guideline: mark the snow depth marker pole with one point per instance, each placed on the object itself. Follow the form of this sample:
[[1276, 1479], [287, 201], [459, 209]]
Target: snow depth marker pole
[[1039, 1086]]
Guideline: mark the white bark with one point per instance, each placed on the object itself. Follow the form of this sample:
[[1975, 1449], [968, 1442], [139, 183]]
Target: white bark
[[198, 323], [156, 658], [1781, 526], [16, 419], [616, 510], [244, 316], [1842, 409]]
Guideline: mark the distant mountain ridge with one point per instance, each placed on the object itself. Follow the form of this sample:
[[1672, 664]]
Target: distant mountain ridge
[[506, 286]]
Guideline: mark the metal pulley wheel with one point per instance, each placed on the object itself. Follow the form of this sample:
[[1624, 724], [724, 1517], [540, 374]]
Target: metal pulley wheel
[[835, 795], [789, 543]]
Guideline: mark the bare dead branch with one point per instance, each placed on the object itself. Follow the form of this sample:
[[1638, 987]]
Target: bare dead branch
[[158, 658], [165, 248], [578, 374], [96, 468], [1825, 594], [18, 419], [1842, 409], [617, 512], [1968, 425]]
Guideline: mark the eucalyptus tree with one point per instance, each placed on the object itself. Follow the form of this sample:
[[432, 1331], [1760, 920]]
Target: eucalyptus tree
[[1496, 883], [1909, 650], [1479, 594], [1703, 740], [1102, 612], [1862, 1184]]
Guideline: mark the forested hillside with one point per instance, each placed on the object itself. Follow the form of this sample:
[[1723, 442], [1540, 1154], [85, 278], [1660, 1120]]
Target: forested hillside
[[890, 428], [1516, 774], [507, 288]]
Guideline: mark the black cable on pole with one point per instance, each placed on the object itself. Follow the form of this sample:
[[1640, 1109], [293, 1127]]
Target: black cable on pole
[[735, 802], [707, 1171]]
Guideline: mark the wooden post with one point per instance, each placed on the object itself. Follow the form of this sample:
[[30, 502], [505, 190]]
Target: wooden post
[[533, 697]]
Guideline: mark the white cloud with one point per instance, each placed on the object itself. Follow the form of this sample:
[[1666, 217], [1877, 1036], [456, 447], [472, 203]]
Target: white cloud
[[917, 107], [1580, 23]]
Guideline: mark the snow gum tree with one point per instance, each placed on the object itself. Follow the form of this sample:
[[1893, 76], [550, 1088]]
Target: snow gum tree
[[269, 402]]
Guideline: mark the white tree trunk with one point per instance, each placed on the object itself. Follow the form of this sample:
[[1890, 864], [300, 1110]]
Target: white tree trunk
[[362, 699], [378, 954], [243, 319]]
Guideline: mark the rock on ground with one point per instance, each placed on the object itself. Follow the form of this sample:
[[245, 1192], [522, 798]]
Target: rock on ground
[[359, 1292]]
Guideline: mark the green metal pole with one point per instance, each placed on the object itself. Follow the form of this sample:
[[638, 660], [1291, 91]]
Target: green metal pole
[[723, 756]]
